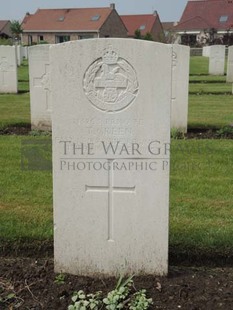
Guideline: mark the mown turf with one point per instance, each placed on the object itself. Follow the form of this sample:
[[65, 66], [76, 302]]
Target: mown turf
[[210, 111], [201, 219], [25, 196], [201, 198]]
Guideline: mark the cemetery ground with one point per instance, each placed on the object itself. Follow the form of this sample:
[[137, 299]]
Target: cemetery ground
[[201, 221]]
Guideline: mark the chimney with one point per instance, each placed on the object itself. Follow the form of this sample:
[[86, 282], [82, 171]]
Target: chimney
[[155, 13], [112, 6]]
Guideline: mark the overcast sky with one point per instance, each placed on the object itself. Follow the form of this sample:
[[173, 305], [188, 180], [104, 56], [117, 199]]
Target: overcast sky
[[169, 10]]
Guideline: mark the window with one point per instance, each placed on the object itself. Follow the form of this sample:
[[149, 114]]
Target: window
[[61, 39], [86, 36], [40, 38], [142, 27], [61, 18], [223, 18], [95, 17]]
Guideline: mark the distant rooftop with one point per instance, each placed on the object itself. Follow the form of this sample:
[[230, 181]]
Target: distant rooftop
[[143, 22], [81, 19], [206, 14]]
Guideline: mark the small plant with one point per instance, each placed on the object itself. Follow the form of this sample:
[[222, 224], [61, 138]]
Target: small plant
[[82, 301], [60, 279], [140, 301], [116, 299], [119, 298]]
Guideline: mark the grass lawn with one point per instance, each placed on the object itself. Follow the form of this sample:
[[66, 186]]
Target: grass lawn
[[199, 65], [210, 111], [25, 196], [15, 109], [201, 198], [204, 110], [207, 78], [210, 88]]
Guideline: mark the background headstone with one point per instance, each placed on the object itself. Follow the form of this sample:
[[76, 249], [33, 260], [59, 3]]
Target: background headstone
[[40, 101], [8, 69], [217, 60], [111, 131], [206, 51], [180, 87], [25, 52], [230, 65], [19, 54]]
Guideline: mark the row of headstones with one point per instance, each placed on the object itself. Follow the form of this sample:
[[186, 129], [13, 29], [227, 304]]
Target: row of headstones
[[216, 54], [111, 103], [10, 58], [40, 92]]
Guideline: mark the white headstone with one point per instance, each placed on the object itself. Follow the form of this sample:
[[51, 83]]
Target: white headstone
[[111, 132], [40, 101], [25, 52], [230, 65], [8, 70], [217, 60], [19, 54], [180, 87], [206, 51]]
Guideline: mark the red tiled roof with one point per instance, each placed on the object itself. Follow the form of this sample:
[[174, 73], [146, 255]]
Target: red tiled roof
[[3, 24], [168, 25], [66, 19], [204, 14], [134, 22]]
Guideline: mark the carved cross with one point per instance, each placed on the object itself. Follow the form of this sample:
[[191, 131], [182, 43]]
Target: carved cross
[[110, 189]]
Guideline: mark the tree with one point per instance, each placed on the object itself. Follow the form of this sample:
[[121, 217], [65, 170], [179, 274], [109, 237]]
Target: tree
[[137, 34], [16, 29], [148, 37]]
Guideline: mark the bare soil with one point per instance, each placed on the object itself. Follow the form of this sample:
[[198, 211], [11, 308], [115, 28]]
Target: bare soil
[[29, 283], [193, 133]]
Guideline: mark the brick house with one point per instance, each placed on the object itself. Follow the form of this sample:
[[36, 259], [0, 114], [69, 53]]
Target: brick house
[[206, 22], [5, 31], [147, 23], [61, 25]]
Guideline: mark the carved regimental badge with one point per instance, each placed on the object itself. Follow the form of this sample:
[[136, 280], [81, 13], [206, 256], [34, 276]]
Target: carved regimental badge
[[110, 83]]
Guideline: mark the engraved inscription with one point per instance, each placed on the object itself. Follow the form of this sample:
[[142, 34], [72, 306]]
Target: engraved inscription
[[110, 189], [110, 83]]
